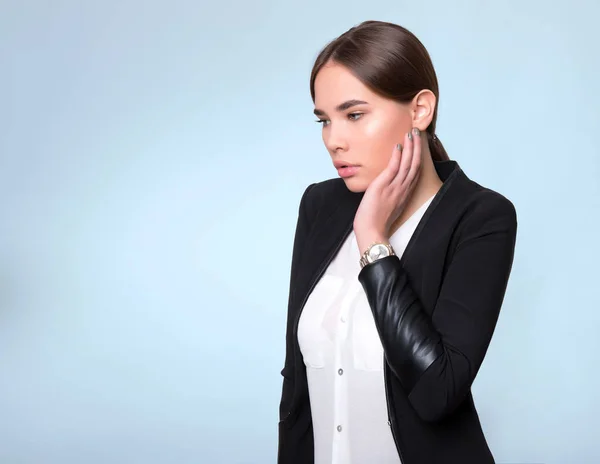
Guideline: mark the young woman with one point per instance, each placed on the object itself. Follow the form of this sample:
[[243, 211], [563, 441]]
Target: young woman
[[399, 270]]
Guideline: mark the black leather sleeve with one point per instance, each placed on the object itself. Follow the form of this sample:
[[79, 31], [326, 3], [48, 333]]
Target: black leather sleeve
[[302, 229], [437, 358]]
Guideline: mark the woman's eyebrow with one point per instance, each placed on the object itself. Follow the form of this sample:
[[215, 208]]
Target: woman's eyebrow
[[342, 106]]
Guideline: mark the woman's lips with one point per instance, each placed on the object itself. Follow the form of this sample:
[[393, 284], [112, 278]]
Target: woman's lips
[[347, 171]]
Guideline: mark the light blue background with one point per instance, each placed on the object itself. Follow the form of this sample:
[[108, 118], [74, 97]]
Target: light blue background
[[152, 157]]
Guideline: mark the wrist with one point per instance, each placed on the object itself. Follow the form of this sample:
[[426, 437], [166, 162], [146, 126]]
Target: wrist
[[367, 238]]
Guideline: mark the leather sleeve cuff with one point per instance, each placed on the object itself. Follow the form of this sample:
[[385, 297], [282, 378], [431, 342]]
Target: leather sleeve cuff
[[410, 341]]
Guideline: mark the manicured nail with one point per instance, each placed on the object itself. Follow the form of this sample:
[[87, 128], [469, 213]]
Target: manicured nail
[[416, 131], [399, 147], [409, 136]]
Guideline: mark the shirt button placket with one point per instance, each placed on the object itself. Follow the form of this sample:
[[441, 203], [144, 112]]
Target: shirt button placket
[[340, 402]]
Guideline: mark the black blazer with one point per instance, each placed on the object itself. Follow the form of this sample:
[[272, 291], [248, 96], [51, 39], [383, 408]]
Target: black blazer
[[435, 309]]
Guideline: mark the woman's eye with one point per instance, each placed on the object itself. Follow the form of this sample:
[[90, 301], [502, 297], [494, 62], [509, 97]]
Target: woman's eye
[[351, 116]]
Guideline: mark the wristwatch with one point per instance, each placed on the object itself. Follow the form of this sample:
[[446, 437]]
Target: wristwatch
[[376, 251]]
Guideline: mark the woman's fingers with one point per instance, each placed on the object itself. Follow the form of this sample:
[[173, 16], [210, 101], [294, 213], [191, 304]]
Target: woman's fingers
[[394, 163], [416, 157], [405, 162]]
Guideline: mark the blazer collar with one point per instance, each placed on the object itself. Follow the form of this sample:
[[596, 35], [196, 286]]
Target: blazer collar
[[329, 236], [341, 217]]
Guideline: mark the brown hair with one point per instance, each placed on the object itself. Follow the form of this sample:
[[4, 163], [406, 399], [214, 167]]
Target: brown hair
[[391, 61]]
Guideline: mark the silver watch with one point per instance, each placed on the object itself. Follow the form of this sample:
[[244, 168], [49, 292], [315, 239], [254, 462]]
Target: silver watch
[[374, 252]]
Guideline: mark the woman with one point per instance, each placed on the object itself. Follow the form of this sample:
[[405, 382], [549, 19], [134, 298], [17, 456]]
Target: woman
[[399, 270]]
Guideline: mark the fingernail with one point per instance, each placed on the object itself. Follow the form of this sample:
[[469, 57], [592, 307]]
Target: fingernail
[[409, 136], [399, 146], [417, 131]]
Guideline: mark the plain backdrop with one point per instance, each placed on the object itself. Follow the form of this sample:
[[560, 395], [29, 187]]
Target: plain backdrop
[[152, 158]]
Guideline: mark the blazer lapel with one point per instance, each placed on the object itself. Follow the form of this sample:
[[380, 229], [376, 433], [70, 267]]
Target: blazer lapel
[[327, 239], [328, 236], [439, 213]]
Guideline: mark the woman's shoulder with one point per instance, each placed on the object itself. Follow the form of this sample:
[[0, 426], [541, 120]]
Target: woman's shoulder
[[472, 203], [323, 195], [482, 206]]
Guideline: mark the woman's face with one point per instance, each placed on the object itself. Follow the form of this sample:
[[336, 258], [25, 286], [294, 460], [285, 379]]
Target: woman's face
[[359, 127]]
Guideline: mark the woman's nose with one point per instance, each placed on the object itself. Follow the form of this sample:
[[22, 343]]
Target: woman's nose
[[336, 139]]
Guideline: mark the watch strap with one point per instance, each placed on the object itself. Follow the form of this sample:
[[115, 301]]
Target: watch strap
[[363, 259]]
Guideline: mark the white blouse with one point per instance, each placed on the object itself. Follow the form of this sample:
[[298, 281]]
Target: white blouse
[[344, 361]]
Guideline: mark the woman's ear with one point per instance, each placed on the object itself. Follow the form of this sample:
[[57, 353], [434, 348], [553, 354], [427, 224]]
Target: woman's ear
[[423, 106]]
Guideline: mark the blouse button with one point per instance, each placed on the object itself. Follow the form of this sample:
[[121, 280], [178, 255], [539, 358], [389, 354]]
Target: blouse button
[[339, 428], [340, 371]]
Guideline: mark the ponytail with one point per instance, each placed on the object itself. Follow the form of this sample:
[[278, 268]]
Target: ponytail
[[438, 152]]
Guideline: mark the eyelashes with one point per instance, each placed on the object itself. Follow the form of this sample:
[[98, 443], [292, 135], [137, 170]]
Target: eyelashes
[[351, 117]]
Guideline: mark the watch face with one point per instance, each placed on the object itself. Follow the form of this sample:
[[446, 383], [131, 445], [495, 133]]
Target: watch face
[[378, 251]]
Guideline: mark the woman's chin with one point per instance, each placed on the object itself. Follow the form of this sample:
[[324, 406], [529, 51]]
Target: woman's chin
[[356, 184]]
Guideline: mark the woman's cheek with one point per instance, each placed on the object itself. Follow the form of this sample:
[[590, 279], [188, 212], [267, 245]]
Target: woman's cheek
[[373, 128], [382, 133]]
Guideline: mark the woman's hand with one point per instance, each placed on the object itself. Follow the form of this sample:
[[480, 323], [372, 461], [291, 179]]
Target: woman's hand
[[387, 195]]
